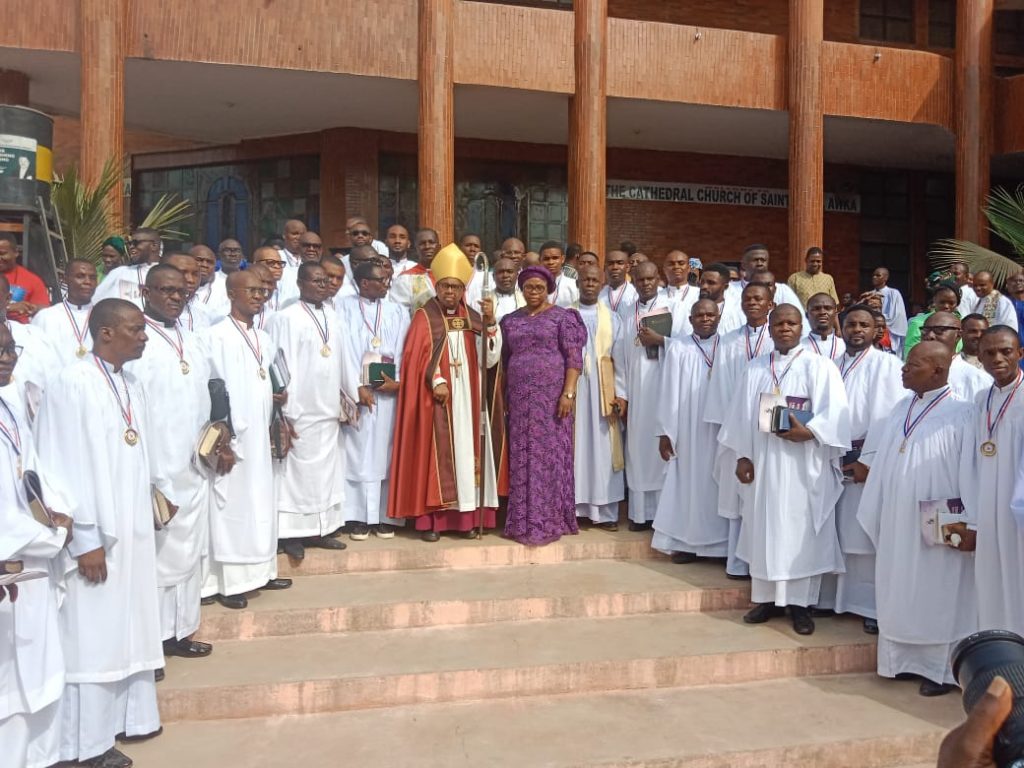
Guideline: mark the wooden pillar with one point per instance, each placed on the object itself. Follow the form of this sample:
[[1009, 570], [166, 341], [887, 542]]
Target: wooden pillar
[[102, 43], [806, 130], [973, 117], [588, 127], [13, 87], [435, 58]]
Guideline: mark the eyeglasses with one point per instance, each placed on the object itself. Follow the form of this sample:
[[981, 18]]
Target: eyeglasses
[[170, 290], [314, 246], [140, 242], [535, 289], [258, 291], [932, 330], [12, 352], [360, 232], [272, 263]]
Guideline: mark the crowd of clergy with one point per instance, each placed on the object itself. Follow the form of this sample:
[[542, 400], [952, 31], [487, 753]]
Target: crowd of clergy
[[841, 456]]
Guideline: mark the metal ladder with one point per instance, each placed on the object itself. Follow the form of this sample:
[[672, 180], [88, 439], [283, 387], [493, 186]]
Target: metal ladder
[[49, 258]]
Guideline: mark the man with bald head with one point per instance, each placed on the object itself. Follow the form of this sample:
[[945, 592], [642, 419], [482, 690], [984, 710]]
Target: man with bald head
[[788, 536], [211, 298], [997, 308], [687, 524], [965, 380], [756, 258], [514, 249], [291, 253], [96, 411], [926, 596]]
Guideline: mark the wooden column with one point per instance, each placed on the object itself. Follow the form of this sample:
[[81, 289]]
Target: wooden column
[[349, 182], [13, 87], [806, 130], [588, 127], [435, 58], [973, 117], [102, 43]]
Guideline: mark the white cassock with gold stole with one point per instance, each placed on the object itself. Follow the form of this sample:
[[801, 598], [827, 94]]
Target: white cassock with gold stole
[[175, 373], [110, 631], [599, 459], [243, 517]]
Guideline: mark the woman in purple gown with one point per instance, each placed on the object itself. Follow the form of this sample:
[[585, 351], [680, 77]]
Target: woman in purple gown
[[542, 348]]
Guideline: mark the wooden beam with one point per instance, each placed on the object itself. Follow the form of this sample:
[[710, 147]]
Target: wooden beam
[[435, 58]]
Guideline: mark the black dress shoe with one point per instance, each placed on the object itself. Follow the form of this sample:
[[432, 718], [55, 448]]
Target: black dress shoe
[[277, 584], [187, 649], [326, 543], [737, 576], [112, 758], [232, 601], [159, 674], [430, 536], [871, 626], [472, 533], [610, 527], [294, 549], [821, 613], [144, 737], [683, 558], [928, 688], [761, 612], [640, 526], [803, 624], [207, 600]]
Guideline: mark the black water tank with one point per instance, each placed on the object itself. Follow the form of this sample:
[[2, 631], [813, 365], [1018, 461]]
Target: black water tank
[[26, 155]]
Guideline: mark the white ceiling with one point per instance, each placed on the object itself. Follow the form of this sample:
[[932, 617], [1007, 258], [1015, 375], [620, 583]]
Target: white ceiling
[[223, 104]]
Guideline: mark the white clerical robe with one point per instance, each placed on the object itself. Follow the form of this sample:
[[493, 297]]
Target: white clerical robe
[[873, 386], [214, 297], [831, 346], [895, 312], [685, 293], [66, 327], [968, 298], [738, 347], [993, 491], [645, 471], [368, 446], [110, 631], [967, 381], [38, 364], [687, 519], [926, 599], [273, 304], [789, 533], [32, 664], [124, 282], [1005, 314], [614, 298], [310, 479], [599, 486], [566, 293], [412, 289], [179, 407], [783, 295], [243, 517]]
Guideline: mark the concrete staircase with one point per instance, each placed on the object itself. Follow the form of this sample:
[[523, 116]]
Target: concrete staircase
[[591, 652]]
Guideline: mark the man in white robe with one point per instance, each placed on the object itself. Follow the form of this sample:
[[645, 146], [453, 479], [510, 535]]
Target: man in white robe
[[677, 280], [993, 484], [737, 349], [714, 285], [893, 308], [310, 480], [243, 518], [291, 253], [414, 286], [38, 361], [195, 315], [995, 307], [506, 294], [823, 339], [374, 330], [66, 325], [972, 328], [964, 379], [645, 471], [617, 291], [398, 244], [791, 479], [687, 524], [566, 293], [268, 264], [781, 294], [144, 249], [174, 372], [926, 595], [598, 449], [110, 622], [32, 664], [210, 295], [873, 385]]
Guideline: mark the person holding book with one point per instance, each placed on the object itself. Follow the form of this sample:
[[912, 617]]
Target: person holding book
[[542, 353], [310, 478], [243, 519], [372, 331], [787, 464], [912, 459]]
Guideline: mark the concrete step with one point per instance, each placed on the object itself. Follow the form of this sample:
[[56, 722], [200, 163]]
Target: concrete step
[[334, 672], [442, 597], [408, 552], [830, 722]]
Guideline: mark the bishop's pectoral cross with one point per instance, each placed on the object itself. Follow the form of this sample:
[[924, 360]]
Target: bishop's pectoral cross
[[455, 365]]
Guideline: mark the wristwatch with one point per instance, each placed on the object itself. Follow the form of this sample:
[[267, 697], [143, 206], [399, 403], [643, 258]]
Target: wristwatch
[[569, 395]]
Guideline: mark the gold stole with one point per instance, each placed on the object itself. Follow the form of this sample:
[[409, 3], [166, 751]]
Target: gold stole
[[606, 383]]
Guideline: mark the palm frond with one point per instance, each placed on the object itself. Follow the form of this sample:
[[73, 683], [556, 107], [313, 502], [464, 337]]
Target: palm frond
[[1005, 212], [978, 259], [85, 212], [165, 214]]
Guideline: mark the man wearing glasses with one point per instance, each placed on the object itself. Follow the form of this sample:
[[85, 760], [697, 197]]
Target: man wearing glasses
[[965, 380], [127, 282], [286, 287], [312, 247], [359, 233]]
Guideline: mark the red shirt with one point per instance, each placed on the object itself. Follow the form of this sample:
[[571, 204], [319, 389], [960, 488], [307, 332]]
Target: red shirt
[[34, 289]]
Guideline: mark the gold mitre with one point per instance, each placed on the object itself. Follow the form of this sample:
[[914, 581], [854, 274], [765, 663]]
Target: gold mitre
[[451, 262]]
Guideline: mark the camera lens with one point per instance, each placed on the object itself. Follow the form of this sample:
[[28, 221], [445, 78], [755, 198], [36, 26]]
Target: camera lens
[[979, 658]]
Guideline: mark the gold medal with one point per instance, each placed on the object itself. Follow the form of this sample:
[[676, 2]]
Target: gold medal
[[375, 342], [131, 436], [80, 352], [988, 448], [325, 351], [183, 364], [263, 372]]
